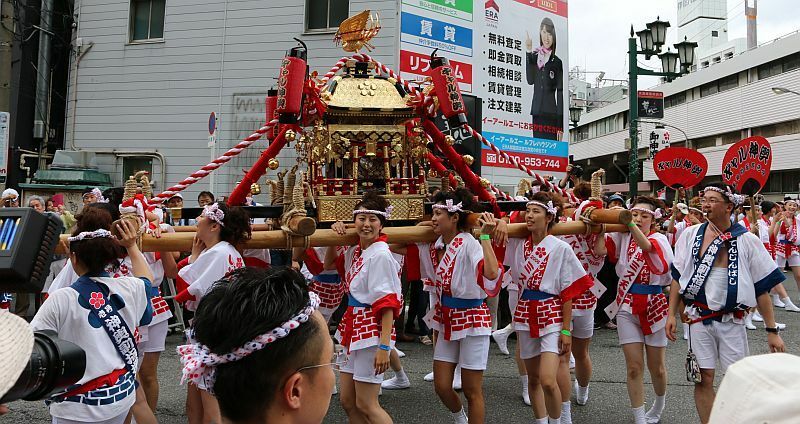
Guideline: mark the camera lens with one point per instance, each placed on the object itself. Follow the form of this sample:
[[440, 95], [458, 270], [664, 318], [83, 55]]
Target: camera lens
[[55, 364]]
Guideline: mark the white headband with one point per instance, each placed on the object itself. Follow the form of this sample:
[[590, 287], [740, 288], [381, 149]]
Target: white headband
[[199, 363], [101, 233], [386, 214], [97, 194], [214, 213], [736, 199], [656, 213], [548, 207], [449, 206]]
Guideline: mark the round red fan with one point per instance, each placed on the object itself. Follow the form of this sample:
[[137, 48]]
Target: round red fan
[[747, 164], [679, 167]]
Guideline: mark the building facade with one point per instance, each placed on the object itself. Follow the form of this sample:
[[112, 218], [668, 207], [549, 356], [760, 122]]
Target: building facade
[[147, 74], [714, 107]]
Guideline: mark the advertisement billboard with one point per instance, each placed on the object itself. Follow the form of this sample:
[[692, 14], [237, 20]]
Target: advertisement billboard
[[512, 54]]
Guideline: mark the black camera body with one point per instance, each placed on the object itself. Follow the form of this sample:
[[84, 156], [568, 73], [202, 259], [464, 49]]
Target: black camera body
[[576, 171], [55, 364]]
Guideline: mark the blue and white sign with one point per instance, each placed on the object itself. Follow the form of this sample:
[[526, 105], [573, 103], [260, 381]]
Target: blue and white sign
[[524, 144], [427, 32], [212, 123]]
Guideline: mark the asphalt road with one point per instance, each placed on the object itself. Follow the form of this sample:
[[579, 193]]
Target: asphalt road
[[608, 401]]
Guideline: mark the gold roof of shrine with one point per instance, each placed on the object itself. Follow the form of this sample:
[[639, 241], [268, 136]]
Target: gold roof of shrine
[[356, 94]]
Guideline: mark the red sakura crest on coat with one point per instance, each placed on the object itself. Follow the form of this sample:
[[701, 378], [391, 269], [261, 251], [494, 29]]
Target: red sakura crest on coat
[[123, 269], [540, 251], [457, 242], [97, 300]]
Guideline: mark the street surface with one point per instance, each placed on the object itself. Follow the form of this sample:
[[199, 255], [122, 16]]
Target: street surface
[[608, 400]]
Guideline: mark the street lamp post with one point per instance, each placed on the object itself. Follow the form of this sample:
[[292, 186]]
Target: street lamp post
[[651, 40]]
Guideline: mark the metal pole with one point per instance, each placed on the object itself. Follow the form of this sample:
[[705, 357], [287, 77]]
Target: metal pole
[[633, 116], [40, 118], [6, 38]]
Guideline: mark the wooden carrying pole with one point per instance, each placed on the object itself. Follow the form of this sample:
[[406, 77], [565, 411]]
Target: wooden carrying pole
[[277, 239]]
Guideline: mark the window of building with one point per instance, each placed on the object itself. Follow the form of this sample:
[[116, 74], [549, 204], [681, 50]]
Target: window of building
[[728, 82], [731, 137], [769, 69], [715, 33], [132, 165], [709, 89], [326, 14], [675, 99], [792, 62], [777, 129], [702, 143], [147, 20]]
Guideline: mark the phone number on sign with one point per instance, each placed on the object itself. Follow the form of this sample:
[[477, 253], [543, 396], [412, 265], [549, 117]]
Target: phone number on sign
[[548, 163]]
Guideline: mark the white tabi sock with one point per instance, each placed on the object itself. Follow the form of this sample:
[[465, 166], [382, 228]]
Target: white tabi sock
[[541, 420], [523, 379], [553, 420], [566, 412], [789, 305], [460, 417], [582, 395], [638, 415], [401, 375], [654, 414]]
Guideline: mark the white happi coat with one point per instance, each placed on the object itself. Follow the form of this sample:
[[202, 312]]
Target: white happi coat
[[764, 235], [550, 267], [757, 273], [651, 309], [788, 239], [65, 314], [459, 274], [372, 278], [211, 265]]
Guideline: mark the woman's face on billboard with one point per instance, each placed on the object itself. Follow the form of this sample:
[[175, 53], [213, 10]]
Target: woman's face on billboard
[[547, 38]]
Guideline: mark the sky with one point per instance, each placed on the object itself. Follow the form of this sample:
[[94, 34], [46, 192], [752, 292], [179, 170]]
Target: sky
[[598, 30]]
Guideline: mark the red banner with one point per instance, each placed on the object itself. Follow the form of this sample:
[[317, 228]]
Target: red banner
[[559, 7], [419, 65], [536, 162], [679, 167], [747, 164]]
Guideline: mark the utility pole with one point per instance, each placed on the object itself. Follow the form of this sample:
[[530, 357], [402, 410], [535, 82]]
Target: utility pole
[[6, 38]]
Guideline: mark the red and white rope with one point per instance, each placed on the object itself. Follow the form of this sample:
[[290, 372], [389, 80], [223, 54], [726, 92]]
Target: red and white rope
[[216, 163], [522, 167], [499, 193]]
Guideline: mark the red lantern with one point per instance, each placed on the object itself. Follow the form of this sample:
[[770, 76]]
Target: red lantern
[[679, 167], [747, 164], [447, 91], [291, 80], [271, 104]]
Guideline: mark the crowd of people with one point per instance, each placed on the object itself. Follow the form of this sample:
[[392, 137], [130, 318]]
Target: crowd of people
[[708, 264]]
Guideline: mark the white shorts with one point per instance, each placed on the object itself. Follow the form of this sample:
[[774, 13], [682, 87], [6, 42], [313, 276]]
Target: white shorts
[[720, 342], [119, 419], [327, 313], [794, 260], [471, 352], [361, 364], [530, 347], [583, 326], [630, 331], [156, 337]]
